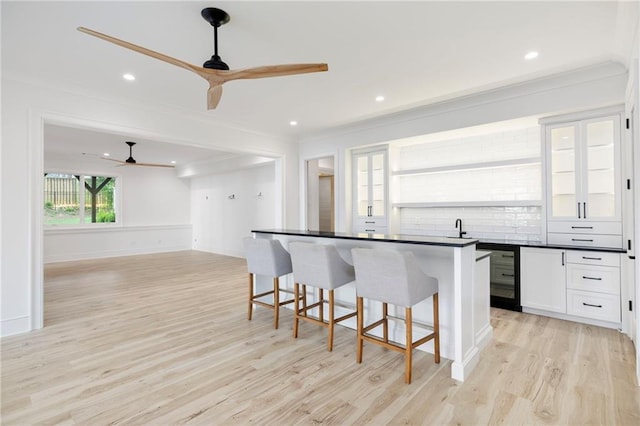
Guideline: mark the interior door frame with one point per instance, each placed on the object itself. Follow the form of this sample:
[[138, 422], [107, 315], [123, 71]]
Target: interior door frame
[[304, 186]]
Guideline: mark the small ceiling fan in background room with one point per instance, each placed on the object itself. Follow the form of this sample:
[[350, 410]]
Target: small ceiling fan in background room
[[132, 162], [215, 71]]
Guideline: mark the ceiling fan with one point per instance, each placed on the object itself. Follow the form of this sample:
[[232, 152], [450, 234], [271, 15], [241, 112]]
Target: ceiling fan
[[215, 71], [132, 162]]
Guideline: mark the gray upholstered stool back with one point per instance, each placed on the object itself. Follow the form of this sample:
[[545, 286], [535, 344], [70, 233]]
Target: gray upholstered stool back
[[267, 257], [392, 277], [319, 265]]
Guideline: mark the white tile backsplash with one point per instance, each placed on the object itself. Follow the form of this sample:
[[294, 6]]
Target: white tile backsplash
[[514, 223]]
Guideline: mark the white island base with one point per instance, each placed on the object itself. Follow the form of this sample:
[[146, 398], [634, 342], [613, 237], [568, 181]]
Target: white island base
[[463, 290]]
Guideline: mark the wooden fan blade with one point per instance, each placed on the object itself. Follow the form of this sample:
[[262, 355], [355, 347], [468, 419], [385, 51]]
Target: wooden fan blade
[[213, 95], [143, 50], [114, 160], [272, 71], [124, 163], [151, 165]]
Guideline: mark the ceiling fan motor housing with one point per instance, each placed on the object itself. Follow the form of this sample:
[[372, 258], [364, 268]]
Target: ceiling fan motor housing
[[130, 159], [216, 63]]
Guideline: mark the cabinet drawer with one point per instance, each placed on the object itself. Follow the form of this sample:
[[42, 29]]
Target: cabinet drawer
[[599, 306], [593, 258], [602, 279], [584, 227], [373, 230], [502, 257], [608, 241], [502, 274], [369, 222]]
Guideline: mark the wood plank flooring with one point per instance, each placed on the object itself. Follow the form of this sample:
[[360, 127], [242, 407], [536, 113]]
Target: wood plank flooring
[[164, 339]]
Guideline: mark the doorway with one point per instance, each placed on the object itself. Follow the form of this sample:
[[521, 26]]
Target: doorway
[[320, 194]]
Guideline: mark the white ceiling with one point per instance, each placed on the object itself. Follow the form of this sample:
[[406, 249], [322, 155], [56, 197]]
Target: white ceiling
[[413, 53]]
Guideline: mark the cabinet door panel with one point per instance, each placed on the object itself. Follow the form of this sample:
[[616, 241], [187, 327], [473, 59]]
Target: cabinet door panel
[[378, 187], [563, 158], [543, 280], [600, 190], [362, 185]]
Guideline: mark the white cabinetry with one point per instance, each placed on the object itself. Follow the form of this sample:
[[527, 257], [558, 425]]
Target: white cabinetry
[[580, 284], [593, 285], [370, 189], [542, 279], [583, 181]]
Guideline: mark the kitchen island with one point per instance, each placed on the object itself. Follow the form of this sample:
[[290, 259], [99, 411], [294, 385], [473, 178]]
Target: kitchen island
[[463, 288]]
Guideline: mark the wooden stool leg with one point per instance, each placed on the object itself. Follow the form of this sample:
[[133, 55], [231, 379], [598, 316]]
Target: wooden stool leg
[[436, 329], [250, 307], [408, 346], [331, 323], [385, 324], [304, 299], [296, 311], [276, 301], [360, 310], [321, 307]]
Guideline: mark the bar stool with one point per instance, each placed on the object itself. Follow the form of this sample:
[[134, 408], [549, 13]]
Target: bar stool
[[393, 277], [267, 257], [319, 266]]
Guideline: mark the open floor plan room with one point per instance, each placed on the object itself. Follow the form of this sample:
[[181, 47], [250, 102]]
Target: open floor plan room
[[164, 339]]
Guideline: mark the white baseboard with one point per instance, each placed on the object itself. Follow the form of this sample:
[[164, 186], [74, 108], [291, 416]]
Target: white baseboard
[[599, 323], [9, 327], [70, 257]]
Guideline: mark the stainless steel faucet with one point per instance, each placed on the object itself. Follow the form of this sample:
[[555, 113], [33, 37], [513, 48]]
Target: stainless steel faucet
[[459, 227]]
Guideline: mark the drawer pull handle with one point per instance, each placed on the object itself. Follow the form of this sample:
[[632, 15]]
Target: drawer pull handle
[[593, 306], [366, 221], [508, 275], [508, 256], [591, 258], [580, 239], [582, 227], [370, 230], [591, 278]]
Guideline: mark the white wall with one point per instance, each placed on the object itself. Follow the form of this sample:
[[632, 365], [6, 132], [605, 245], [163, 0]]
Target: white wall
[[226, 207], [154, 215], [25, 109]]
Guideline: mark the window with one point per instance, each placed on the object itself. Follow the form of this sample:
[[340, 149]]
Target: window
[[73, 199]]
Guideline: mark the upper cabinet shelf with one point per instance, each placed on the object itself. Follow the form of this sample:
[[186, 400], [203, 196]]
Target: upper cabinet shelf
[[468, 166]]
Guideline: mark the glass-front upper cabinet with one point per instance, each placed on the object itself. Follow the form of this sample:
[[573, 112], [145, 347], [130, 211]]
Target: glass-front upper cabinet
[[370, 190], [563, 159], [583, 169], [601, 194]]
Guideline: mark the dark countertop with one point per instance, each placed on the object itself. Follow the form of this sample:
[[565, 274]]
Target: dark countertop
[[407, 239], [496, 243], [487, 244]]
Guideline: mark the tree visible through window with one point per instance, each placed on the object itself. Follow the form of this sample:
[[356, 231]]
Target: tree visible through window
[[64, 194]]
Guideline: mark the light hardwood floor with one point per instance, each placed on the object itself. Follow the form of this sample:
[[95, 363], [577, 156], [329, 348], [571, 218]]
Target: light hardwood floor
[[164, 339]]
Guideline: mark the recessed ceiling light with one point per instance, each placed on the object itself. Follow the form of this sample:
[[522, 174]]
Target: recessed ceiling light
[[293, 123], [379, 98], [173, 161], [106, 154], [129, 77], [531, 55]]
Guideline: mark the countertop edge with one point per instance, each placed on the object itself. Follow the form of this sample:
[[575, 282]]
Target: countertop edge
[[401, 239]]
